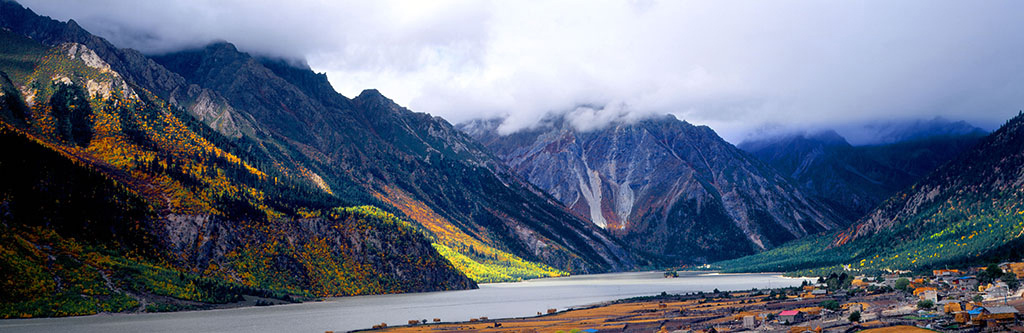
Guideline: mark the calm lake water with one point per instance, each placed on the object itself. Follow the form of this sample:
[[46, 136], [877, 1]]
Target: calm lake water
[[498, 300]]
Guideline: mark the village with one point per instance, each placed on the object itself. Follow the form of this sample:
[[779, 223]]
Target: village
[[980, 299]]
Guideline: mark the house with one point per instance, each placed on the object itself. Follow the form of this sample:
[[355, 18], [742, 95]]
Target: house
[[946, 272], [859, 283], [999, 314], [950, 306], [749, 322], [851, 307], [975, 314], [997, 291], [929, 295], [791, 316], [965, 283], [919, 291], [819, 292]]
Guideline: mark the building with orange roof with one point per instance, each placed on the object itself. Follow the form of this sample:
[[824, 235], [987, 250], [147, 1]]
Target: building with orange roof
[[920, 290], [945, 272]]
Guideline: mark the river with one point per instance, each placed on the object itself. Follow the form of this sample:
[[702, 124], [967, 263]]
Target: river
[[496, 300]]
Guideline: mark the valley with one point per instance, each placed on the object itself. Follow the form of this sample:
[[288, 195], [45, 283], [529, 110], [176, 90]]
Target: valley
[[160, 175]]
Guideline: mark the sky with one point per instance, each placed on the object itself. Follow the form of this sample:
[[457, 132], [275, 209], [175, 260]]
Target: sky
[[744, 68]]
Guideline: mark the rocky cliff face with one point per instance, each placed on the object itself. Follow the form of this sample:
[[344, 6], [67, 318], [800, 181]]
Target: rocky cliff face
[[672, 189], [852, 180], [113, 200], [289, 122], [204, 104], [409, 160]]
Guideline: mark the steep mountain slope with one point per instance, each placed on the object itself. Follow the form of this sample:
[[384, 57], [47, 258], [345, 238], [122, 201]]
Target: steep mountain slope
[[417, 163], [112, 201], [366, 150], [672, 189], [889, 132], [852, 180], [967, 211]]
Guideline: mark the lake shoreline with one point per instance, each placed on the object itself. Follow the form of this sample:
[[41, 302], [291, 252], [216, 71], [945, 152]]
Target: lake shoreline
[[504, 300]]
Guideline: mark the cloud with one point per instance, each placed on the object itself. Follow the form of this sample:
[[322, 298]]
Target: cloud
[[737, 66]]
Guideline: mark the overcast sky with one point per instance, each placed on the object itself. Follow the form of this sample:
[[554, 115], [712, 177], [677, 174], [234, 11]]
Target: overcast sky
[[741, 67]]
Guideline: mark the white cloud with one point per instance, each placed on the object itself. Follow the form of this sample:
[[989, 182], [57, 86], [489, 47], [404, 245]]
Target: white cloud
[[737, 66]]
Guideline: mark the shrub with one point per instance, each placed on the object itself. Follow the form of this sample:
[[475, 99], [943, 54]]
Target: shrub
[[902, 284]]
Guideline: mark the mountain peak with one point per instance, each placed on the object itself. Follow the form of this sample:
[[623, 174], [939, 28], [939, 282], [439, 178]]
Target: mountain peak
[[829, 137], [370, 93], [911, 130], [622, 175], [221, 45]]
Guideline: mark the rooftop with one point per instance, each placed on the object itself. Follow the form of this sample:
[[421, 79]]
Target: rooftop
[[1001, 309]]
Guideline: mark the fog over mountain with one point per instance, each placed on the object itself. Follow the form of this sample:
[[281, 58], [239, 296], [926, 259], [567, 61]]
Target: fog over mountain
[[740, 67]]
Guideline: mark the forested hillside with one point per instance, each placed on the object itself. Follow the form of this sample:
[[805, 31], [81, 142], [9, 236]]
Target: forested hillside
[[967, 212], [244, 166], [114, 200]]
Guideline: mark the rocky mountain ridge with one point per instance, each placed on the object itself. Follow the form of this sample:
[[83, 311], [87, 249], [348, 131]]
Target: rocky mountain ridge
[[662, 185], [256, 173], [852, 180], [967, 212]]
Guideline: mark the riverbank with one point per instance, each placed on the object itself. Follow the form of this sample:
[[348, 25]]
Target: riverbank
[[498, 300], [650, 314], [781, 310]]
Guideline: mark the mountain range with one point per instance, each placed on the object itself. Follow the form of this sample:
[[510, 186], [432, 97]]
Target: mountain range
[[852, 180], [675, 191], [681, 194], [208, 176], [243, 176], [966, 212]]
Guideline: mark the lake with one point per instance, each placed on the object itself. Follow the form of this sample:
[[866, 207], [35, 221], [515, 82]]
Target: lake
[[496, 300]]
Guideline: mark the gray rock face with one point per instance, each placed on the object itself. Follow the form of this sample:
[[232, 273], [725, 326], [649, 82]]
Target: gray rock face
[[671, 189], [366, 150], [136, 68], [853, 180]]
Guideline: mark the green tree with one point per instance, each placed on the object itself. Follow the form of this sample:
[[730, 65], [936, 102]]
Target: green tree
[[1011, 281], [925, 304], [830, 304], [854, 317], [72, 113], [990, 274], [902, 283]]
